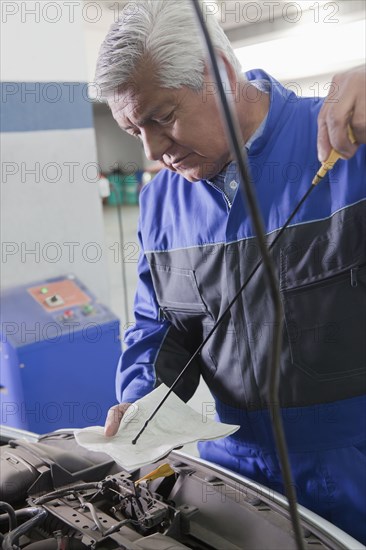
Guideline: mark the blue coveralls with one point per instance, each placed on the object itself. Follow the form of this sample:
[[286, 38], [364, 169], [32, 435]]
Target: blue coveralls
[[195, 254]]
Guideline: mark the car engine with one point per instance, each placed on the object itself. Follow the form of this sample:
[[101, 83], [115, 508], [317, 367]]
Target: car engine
[[56, 495]]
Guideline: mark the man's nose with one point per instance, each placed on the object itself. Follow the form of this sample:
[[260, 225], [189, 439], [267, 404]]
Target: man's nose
[[155, 143]]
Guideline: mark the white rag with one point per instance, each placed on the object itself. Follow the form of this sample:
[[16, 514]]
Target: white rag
[[175, 424]]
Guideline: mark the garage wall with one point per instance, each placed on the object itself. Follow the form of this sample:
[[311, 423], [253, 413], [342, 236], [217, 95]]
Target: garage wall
[[51, 213]]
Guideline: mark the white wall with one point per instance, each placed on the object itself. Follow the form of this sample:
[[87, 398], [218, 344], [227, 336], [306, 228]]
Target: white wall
[[49, 194], [40, 43]]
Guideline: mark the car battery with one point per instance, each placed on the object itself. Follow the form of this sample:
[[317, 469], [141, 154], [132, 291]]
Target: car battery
[[59, 352]]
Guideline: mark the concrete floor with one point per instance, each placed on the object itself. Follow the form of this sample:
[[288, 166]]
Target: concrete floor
[[202, 399]]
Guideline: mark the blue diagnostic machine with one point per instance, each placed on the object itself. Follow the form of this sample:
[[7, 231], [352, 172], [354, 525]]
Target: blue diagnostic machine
[[59, 352]]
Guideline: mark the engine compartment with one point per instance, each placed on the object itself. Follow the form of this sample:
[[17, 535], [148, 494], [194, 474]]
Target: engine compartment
[[56, 496]]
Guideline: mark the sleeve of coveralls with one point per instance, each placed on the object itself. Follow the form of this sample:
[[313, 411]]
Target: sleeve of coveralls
[[154, 350]]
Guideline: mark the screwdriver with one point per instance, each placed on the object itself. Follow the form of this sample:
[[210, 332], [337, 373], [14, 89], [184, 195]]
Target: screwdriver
[[165, 470], [332, 159]]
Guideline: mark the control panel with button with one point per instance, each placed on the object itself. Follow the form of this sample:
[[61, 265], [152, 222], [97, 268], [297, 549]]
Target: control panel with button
[[59, 295], [63, 335]]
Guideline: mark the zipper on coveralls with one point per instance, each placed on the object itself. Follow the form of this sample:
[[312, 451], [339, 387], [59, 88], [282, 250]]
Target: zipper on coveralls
[[161, 315], [223, 193]]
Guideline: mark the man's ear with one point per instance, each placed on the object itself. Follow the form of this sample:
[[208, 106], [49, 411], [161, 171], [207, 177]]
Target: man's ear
[[232, 76]]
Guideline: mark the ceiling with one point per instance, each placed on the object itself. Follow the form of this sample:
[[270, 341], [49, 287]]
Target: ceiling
[[231, 13], [251, 24]]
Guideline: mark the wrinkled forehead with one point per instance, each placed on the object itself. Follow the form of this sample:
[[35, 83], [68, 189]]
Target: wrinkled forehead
[[139, 102], [128, 101], [143, 88]]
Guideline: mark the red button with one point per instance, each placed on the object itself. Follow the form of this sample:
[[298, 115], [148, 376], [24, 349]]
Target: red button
[[68, 314]]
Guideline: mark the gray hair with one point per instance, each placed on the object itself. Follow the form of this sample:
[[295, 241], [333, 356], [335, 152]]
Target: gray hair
[[164, 32]]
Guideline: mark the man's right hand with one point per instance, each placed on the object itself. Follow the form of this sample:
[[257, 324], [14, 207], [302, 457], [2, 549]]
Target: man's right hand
[[114, 418]]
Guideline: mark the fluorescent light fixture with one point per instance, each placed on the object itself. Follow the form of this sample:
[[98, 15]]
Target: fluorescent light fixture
[[312, 50]]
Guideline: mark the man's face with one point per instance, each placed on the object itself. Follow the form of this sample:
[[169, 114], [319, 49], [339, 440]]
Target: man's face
[[179, 127]]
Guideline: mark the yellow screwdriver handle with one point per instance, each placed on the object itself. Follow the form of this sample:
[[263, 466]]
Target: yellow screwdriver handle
[[164, 470], [332, 159]]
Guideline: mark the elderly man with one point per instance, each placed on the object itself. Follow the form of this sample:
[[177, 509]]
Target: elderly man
[[198, 247]]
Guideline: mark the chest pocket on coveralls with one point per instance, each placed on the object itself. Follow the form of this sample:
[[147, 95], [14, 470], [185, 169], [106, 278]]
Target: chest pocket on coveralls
[[177, 291], [325, 320]]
